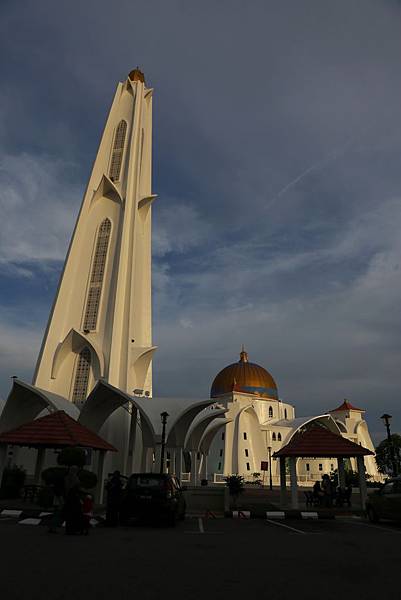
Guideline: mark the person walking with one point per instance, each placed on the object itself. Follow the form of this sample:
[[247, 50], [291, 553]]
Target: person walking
[[114, 489]]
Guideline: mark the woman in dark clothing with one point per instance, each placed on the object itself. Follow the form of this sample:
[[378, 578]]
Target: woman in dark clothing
[[114, 489], [73, 511]]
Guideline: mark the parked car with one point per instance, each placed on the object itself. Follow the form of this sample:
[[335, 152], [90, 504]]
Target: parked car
[[153, 496], [386, 502]]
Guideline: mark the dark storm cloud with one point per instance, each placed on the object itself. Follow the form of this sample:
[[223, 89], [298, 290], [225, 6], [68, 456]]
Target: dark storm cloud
[[277, 161]]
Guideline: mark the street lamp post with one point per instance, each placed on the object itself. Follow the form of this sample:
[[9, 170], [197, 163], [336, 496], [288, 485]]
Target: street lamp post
[[270, 468], [386, 418], [164, 416]]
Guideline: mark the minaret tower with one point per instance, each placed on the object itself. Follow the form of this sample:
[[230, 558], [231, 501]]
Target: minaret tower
[[100, 323]]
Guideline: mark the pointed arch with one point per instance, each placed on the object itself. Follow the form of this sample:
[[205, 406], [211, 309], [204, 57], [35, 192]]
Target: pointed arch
[[118, 151], [74, 341], [97, 275]]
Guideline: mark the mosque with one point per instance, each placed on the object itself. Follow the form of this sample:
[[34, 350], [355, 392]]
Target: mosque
[[95, 363]]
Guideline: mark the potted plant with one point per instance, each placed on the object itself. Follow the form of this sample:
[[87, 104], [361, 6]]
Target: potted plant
[[236, 487]]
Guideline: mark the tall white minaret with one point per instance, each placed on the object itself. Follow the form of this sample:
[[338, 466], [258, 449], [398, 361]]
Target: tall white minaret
[[100, 323]]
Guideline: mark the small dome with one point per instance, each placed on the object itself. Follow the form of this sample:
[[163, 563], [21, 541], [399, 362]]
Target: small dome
[[244, 376]]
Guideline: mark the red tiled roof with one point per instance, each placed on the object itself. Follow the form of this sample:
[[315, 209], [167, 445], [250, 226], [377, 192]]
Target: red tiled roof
[[56, 430], [346, 406], [320, 442]]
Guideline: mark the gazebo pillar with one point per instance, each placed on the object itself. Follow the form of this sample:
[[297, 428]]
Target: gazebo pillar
[[283, 482], [362, 481], [100, 477], [294, 486], [341, 472], [3, 459], [40, 460]]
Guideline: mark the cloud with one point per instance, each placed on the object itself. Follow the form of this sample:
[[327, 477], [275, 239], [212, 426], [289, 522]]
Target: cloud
[[247, 98]]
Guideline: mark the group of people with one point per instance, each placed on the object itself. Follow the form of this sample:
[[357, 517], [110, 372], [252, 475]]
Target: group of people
[[328, 493], [72, 505]]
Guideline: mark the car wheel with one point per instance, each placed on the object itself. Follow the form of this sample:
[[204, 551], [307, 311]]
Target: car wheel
[[372, 515]]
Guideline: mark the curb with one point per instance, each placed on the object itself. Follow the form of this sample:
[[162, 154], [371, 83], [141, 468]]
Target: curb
[[38, 517]]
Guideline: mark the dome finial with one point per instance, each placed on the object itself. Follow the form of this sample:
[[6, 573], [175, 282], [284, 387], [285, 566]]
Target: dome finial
[[243, 357]]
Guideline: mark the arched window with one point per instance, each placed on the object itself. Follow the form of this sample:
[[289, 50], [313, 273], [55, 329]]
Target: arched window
[[270, 412], [274, 437], [96, 281], [81, 376], [285, 413], [279, 437], [118, 150]]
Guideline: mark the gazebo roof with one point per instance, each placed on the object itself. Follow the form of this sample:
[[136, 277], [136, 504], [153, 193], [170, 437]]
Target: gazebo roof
[[319, 442], [56, 430], [346, 406]]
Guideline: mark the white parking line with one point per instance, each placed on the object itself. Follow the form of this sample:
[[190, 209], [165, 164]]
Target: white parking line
[[10, 513], [200, 523], [29, 521], [286, 526], [372, 526]]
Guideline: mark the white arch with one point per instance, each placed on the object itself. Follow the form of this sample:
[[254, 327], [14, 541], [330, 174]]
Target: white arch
[[199, 426], [25, 402], [75, 341], [103, 400]]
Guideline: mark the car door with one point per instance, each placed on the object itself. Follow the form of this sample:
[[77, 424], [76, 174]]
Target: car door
[[394, 501], [385, 505]]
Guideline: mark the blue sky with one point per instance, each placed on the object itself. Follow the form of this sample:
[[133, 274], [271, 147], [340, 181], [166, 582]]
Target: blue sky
[[277, 161]]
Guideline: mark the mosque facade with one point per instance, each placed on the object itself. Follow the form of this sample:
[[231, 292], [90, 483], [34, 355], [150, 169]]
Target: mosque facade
[[95, 362]]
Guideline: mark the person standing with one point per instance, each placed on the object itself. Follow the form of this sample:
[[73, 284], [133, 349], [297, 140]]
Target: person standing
[[114, 489]]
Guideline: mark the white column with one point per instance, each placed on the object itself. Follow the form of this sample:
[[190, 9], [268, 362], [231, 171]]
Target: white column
[[294, 486], [204, 465], [341, 472], [178, 463], [40, 459], [283, 484], [158, 457], [100, 477], [131, 441], [194, 468], [362, 481]]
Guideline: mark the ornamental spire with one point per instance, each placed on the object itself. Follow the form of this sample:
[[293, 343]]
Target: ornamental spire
[[243, 357]]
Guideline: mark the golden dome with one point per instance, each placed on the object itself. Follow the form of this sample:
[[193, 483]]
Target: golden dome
[[137, 75], [244, 376]]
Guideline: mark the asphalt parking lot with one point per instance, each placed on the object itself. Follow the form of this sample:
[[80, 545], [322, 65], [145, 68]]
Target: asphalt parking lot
[[222, 558]]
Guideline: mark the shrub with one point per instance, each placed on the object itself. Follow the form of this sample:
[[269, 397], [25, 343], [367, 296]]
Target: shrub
[[12, 482], [54, 476]]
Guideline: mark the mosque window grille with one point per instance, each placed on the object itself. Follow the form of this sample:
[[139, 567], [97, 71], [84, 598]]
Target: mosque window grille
[[96, 280], [246, 452], [118, 151], [308, 467], [285, 413], [221, 452], [270, 412], [320, 467], [245, 436], [81, 380], [223, 436], [248, 467], [219, 467], [279, 437], [274, 436]]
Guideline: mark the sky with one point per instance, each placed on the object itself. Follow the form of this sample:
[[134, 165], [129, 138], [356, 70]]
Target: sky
[[277, 164]]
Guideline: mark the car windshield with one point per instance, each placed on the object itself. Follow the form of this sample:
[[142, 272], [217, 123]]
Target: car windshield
[[145, 481]]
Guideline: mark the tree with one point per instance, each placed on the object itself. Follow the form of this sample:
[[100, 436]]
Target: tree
[[236, 486], [383, 455]]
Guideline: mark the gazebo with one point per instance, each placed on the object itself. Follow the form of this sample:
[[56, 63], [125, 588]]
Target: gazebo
[[319, 442], [56, 430]]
